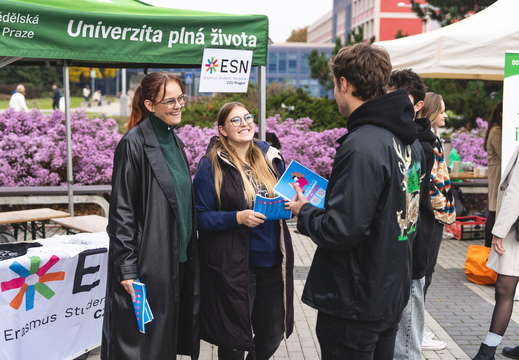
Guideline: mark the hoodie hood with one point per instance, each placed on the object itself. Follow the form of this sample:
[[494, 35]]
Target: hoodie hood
[[423, 129], [393, 111]]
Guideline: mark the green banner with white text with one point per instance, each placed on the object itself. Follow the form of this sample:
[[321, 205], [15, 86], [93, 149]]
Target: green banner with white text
[[510, 126], [124, 31]]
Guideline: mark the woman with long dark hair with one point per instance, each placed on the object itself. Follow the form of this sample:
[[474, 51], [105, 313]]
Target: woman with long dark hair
[[152, 231], [493, 148], [246, 261]]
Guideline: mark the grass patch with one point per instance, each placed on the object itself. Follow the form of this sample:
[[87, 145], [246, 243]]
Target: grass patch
[[46, 103]]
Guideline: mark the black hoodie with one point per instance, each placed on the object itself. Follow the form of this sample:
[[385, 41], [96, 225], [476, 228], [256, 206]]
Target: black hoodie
[[362, 266], [393, 111], [422, 241]]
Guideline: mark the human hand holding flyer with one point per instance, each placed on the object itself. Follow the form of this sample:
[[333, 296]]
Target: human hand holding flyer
[[312, 185], [140, 306], [272, 208]]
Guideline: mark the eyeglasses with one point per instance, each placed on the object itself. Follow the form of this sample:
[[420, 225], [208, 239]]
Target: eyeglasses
[[236, 121], [172, 102]]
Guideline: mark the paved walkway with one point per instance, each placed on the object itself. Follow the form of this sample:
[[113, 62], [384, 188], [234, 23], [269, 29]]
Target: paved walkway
[[458, 311]]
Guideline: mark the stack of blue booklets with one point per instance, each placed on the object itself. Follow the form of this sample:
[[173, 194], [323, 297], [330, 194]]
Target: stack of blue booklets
[[141, 306]]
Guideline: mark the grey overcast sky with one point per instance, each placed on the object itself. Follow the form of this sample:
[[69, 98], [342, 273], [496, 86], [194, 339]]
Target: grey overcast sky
[[284, 15]]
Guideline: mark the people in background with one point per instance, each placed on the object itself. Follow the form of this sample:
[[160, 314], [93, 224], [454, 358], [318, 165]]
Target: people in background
[[442, 198], [17, 100], [152, 230], [360, 277], [412, 337], [492, 146], [246, 261], [56, 95], [98, 97], [503, 260], [86, 92]]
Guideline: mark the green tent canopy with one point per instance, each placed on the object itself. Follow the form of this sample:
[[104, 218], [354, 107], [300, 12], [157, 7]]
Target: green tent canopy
[[122, 33]]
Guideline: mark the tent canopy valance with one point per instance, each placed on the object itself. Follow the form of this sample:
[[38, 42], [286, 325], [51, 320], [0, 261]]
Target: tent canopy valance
[[122, 33], [473, 48]]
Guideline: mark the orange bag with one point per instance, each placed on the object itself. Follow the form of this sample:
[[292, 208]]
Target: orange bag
[[476, 266]]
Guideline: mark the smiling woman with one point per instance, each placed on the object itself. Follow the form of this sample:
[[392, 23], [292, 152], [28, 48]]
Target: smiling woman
[[152, 230], [246, 261]]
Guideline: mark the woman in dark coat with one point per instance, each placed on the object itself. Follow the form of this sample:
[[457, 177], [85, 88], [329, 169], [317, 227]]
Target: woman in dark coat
[[246, 262], [152, 231]]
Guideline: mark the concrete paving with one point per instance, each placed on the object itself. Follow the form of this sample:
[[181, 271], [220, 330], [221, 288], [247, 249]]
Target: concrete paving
[[457, 311]]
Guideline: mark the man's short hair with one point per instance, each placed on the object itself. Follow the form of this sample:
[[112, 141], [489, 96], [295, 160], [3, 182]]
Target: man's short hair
[[409, 80], [365, 66]]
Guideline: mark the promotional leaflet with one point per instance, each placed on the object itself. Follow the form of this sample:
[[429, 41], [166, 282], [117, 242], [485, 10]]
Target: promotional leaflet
[[312, 185], [272, 208], [141, 306]]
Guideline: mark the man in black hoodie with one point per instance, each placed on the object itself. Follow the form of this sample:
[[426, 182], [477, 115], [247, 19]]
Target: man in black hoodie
[[411, 338], [361, 271]]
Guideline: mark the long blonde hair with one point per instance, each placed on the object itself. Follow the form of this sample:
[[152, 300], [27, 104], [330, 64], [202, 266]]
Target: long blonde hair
[[260, 171], [432, 109]]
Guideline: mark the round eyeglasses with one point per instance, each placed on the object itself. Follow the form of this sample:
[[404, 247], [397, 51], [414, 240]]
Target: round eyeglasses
[[237, 121], [170, 103]]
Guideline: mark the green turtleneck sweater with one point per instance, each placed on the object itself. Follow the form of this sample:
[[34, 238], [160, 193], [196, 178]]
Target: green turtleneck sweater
[[181, 180]]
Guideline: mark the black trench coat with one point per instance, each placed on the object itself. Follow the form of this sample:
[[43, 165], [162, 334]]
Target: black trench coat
[[144, 244]]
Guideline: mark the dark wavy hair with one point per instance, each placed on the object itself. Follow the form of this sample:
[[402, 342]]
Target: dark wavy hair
[[409, 80], [495, 120]]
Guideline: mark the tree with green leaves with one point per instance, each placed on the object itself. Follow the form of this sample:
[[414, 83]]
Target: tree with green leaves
[[447, 12], [318, 62], [319, 69], [357, 36]]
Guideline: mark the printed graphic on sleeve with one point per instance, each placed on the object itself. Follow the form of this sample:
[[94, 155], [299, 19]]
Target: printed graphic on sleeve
[[32, 280], [411, 185]]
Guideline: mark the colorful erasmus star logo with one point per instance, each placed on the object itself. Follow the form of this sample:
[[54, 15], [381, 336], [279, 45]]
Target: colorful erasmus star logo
[[211, 65], [32, 280]]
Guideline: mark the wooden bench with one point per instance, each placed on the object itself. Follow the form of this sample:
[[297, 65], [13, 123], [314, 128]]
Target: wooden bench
[[19, 220], [31, 195], [85, 223]]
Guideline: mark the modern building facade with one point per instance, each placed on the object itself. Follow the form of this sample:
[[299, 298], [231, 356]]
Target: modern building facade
[[383, 19]]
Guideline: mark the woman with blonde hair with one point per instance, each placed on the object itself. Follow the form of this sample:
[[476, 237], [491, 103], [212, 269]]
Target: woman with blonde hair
[[442, 199], [246, 261], [17, 100]]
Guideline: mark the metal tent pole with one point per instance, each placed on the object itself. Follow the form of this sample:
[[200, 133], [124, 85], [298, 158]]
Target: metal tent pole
[[262, 108], [70, 179]]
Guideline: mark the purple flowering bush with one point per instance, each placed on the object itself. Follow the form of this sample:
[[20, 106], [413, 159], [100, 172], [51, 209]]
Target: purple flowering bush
[[315, 150], [469, 143], [33, 148]]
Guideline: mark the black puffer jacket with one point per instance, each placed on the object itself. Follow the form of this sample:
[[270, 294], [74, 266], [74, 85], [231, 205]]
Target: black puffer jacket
[[362, 267]]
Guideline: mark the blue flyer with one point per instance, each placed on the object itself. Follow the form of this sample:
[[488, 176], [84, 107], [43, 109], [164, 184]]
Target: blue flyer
[[312, 185], [272, 208], [140, 306]]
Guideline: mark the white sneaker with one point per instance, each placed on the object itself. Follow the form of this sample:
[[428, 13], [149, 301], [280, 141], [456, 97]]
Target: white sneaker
[[429, 334], [430, 344]]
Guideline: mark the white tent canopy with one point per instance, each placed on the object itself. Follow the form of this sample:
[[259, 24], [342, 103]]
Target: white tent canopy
[[473, 48]]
